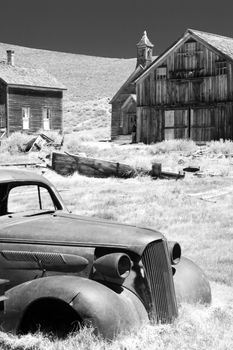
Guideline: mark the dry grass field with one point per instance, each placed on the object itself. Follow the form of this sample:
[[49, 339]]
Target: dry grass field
[[195, 211]]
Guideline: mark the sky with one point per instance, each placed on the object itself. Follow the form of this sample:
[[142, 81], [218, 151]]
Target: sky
[[109, 28]]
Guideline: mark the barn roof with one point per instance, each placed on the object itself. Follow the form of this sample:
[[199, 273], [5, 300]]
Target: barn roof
[[223, 44], [220, 44], [29, 77]]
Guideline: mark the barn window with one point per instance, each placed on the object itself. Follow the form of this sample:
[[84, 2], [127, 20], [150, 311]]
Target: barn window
[[161, 73], [221, 68], [26, 117], [46, 118], [190, 46]]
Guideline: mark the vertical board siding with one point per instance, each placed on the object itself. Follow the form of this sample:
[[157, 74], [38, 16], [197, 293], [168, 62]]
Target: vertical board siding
[[193, 87], [3, 108]]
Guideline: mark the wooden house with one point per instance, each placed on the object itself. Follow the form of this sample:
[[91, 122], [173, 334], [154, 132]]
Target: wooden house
[[124, 101], [30, 99], [187, 92]]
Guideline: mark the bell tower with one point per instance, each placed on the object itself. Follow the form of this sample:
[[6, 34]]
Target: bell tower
[[144, 51]]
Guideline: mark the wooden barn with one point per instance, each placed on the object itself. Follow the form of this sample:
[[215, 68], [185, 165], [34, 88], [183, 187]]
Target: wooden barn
[[187, 92], [30, 99], [124, 101]]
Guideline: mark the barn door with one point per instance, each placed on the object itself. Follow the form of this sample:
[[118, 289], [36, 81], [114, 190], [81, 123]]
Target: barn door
[[202, 124], [176, 124]]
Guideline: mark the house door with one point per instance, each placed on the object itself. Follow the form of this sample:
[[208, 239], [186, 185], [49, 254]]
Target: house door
[[176, 124], [132, 122], [26, 117]]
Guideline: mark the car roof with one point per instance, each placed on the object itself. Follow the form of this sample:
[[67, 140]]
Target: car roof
[[13, 175]]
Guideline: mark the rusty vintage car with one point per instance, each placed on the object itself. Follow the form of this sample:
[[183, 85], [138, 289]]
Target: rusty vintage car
[[60, 271]]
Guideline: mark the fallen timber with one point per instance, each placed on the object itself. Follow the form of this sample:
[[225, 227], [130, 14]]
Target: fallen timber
[[36, 165], [67, 164]]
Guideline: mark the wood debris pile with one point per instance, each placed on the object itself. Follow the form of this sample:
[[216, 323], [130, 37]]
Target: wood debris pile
[[41, 141]]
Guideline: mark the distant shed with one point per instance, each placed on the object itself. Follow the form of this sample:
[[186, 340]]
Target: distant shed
[[30, 99]]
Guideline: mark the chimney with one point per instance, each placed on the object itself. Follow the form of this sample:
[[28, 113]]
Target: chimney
[[10, 57]]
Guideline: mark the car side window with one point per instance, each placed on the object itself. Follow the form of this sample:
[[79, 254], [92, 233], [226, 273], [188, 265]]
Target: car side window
[[29, 198]]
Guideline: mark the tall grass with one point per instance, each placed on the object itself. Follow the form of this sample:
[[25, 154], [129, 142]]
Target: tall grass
[[203, 228], [196, 328]]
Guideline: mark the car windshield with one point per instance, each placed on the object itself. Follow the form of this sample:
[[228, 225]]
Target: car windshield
[[29, 199]]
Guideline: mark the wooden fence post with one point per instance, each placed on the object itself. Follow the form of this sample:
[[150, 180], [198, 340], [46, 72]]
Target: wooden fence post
[[156, 169]]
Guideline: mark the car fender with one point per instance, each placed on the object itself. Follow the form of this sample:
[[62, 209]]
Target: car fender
[[108, 310], [191, 284]]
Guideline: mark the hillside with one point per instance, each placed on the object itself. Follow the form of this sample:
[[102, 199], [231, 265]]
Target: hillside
[[90, 81], [86, 77]]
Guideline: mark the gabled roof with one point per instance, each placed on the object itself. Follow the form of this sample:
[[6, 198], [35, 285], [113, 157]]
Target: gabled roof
[[220, 44], [132, 98], [28, 77]]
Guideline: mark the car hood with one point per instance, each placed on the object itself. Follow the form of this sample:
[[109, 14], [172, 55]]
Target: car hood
[[66, 229]]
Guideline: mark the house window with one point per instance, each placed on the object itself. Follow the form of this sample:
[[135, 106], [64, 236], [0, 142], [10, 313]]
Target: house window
[[221, 68], [46, 118], [26, 117], [161, 73]]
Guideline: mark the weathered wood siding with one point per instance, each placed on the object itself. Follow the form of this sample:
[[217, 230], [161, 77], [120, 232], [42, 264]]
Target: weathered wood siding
[[199, 82], [123, 93], [116, 128], [36, 100], [128, 115], [2, 105]]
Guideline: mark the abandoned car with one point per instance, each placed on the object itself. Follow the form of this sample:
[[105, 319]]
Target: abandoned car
[[60, 271]]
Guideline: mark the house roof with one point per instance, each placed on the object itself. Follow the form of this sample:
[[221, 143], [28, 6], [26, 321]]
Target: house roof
[[221, 44], [28, 77]]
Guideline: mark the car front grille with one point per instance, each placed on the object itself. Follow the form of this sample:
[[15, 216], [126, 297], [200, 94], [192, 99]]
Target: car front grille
[[159, 276]]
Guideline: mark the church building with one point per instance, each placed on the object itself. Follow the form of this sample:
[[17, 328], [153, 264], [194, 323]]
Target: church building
[[124, 101]]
